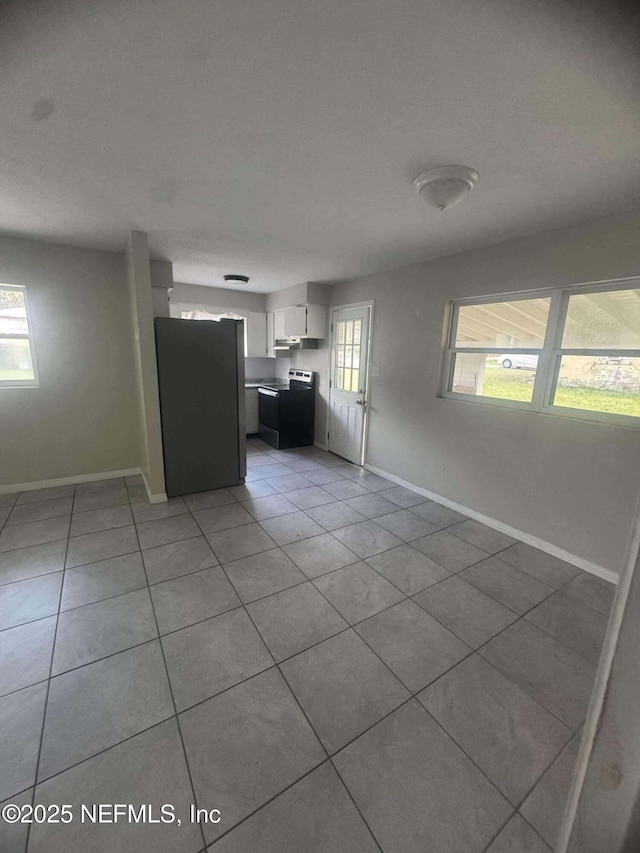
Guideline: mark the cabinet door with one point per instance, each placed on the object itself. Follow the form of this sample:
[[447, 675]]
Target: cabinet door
[[317, 321], [251, 396], [278, 324], [271, 338], [256, 335], [295, 321]]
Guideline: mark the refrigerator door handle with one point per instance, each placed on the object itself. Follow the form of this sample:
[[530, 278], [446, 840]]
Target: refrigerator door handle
[[242, 403]]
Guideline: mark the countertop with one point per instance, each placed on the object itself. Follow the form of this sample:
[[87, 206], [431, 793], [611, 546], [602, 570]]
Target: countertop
[[254, 384]]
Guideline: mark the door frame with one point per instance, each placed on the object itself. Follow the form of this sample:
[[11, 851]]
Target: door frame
[[370, 304]]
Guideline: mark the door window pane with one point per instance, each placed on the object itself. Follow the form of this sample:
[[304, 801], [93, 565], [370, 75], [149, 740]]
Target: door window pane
[[349, 326], [357, 331], [606, 320], [340, 331], [339, 378], [602, 384], [520, 323], [355, 374], [482, 375]]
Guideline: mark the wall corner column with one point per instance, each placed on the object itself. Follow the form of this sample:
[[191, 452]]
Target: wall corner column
[[142, 313]]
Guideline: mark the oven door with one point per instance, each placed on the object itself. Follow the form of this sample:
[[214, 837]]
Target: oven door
[[269, 407]]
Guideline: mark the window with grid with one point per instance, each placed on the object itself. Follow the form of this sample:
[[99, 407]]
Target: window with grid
[[17, 361], [572, 351], [347, 361]]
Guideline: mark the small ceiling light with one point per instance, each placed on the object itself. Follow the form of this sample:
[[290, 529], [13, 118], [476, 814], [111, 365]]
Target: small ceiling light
[[445, 186], [236, 279]]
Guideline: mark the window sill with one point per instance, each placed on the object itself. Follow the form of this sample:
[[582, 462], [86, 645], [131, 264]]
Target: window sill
[[557, 413], [6, 385]]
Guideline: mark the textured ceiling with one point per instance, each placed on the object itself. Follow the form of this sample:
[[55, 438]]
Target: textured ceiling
[[279, 138]]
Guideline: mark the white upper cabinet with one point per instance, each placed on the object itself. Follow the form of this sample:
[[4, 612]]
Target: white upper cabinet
[[278, 324], [301, 321], [317, 321], [256, 335], [295, 321]]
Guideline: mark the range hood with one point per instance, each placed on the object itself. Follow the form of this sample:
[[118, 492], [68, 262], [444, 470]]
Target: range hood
[[295, 343]]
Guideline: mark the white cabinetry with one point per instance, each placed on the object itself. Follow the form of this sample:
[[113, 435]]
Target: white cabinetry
[[271, 338], [300, 321], [251, 397], [279, 324], [256, 335], [295, 321]]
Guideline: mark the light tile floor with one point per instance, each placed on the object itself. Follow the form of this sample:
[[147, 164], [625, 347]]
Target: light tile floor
[[334, 662]]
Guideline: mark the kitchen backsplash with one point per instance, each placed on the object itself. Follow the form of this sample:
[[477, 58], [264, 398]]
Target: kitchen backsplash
[[261, 368]]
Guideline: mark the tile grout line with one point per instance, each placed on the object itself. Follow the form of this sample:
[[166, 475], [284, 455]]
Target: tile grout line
[[411, 696], [302, 711], [310, 580], [573, 731], [459, 572], [177, 630], [95, 754], [414, 695], [532, 827], [453, 666], [268, 802], [275, 667], [307, 579], [295, 698], [48, 688], [504, 826], [170, 686]]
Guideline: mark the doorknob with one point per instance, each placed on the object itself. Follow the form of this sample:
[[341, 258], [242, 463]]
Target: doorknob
[[360, 403]]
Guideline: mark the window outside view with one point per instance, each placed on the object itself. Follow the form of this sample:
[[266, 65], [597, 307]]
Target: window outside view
[[508, 375], [598, 363], [609, 381], [16, 364], [347, 376]]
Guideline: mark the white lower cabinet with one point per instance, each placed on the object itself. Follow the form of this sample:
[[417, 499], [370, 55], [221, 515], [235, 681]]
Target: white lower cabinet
[[251, 396]]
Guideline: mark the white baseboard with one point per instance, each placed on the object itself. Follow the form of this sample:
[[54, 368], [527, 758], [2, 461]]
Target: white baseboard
[[68, 481], [320, 445], [536, 542], [158, 498]]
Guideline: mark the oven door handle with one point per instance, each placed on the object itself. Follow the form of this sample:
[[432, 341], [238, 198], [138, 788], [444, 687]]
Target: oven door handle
[[268, 392]]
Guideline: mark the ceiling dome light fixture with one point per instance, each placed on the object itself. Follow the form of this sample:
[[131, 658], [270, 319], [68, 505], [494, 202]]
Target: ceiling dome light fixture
[[236, 279], [446, 186]]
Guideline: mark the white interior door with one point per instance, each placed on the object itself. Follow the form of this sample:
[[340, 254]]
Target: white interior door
[[350, 329]]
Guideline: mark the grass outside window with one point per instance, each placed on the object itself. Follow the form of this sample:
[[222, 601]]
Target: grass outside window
[[570, 351]]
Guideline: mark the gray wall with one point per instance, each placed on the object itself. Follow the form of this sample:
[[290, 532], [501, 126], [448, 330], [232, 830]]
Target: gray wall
[[603, 811], [146, 368], [83, 418], [294, 295], [193, 295], [571, 483], [161, 285]]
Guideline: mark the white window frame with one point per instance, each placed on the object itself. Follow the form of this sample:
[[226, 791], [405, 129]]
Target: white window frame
[[549, 355], [28, 335]]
